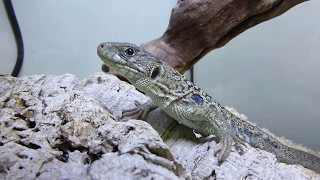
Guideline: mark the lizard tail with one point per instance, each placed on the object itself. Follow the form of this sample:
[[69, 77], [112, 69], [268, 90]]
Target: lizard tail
[[294, 156]]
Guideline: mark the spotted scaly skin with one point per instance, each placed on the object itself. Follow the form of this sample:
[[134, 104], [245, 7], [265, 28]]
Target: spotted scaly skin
[[191, 106]]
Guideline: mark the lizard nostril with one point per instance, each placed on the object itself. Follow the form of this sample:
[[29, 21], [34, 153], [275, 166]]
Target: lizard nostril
[[101, 45]]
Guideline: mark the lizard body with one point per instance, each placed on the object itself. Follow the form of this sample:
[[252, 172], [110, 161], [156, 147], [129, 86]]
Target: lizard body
[[191, 106]]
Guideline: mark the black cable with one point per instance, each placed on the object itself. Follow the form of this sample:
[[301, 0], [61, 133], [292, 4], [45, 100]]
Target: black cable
[[191, 75], [17, 35]]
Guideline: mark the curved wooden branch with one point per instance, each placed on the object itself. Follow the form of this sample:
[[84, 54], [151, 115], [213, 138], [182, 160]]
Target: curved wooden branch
[[197, 27]]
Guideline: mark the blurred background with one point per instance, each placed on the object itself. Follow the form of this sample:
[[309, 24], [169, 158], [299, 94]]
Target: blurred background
[[270, 72]]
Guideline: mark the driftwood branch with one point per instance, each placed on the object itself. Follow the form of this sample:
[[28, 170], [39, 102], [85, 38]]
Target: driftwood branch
[[197, 27]]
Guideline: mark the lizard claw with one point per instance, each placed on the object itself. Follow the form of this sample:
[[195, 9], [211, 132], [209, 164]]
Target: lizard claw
[[225, 148], [239, 148], [139, 112], [135, 112]]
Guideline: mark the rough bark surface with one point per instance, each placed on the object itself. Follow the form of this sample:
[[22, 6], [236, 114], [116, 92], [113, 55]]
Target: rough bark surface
[[198, 26], [59, 127]]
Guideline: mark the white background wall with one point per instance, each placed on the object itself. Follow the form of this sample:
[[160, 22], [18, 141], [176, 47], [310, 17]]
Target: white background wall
[[270, 72], [61, 36]]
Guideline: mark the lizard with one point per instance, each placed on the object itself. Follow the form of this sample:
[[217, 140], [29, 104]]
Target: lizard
[[191, 106]]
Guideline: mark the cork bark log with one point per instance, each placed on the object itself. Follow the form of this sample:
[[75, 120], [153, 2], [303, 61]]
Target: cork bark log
[[60, 127], [197, 27]]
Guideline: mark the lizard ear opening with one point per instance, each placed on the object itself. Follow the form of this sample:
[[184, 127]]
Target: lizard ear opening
[[155, 72]]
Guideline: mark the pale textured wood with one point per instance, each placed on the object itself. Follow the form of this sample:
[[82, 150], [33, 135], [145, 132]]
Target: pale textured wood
[[198, 26], [59, 127], [52, 127]]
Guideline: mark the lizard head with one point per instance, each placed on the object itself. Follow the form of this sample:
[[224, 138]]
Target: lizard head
[[145, 71], [130, 61]]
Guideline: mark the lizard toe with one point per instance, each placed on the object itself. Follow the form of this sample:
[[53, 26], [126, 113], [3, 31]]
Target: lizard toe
[[139, 112], [224, 151]]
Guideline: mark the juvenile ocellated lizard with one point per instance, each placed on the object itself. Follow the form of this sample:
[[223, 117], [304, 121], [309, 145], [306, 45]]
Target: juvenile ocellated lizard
[[191, 106]]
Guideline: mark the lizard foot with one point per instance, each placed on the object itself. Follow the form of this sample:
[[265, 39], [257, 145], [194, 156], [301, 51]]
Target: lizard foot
[[139, 112], [239, 148], [224, 147]]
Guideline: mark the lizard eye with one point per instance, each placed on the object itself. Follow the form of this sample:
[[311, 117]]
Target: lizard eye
[[129, 51], [155, 72]]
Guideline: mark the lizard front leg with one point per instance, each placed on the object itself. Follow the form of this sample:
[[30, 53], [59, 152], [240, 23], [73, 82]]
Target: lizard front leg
[[206, 122], [227, 140]]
